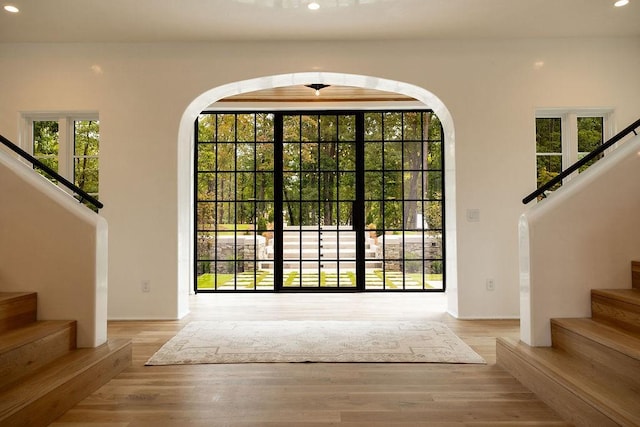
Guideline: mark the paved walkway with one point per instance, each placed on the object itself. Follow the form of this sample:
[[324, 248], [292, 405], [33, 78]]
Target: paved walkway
[[373, 280]]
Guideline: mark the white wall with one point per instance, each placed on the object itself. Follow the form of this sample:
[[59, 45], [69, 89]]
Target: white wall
[[52, 245], [491, 88], [583, 237]]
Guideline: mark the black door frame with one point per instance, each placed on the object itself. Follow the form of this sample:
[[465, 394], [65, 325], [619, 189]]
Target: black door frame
[[358, 218]]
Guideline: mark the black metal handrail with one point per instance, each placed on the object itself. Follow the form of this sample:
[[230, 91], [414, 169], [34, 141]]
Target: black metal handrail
[[83, 195], [577, 165]]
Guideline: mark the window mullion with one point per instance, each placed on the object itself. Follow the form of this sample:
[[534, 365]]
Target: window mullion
[[569, 142], [608, 132], [65, 153], [28, 140]]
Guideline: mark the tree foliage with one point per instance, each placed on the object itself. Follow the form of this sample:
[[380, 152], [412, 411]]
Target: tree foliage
[[86, 150], [46, 143], [590, 137], [549, 147], [403, 169], [548, 143], [83, 146]]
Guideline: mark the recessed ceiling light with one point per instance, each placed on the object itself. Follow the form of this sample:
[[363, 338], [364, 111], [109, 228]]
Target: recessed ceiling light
[[11, 8], [621, 3], [313, 5]]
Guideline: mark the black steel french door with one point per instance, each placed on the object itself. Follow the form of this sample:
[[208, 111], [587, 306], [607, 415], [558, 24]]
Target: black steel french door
[[310, 201], [321, 229]]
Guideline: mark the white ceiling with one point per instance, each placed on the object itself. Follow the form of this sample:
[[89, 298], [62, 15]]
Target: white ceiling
[[270, 20]]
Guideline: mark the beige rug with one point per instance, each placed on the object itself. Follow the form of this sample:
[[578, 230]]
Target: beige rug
[[314, 341]]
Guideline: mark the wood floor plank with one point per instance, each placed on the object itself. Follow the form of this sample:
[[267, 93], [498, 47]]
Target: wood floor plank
[[313, 394]]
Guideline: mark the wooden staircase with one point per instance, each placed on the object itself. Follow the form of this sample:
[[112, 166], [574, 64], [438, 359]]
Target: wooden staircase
[[42, 373], [591, 373]]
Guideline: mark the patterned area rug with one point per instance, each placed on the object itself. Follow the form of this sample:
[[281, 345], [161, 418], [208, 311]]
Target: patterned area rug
[[314, 341]]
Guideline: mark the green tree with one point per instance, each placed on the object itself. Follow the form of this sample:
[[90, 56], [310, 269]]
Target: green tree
[[590, 137], [46, 144], [86, 150], [549, 149], [236, 165]]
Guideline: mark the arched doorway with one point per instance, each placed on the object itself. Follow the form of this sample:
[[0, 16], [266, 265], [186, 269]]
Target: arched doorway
[[186, 152]]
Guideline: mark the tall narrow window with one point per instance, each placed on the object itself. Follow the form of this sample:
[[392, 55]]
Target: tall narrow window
[[234, 193], [548, 149], [590, 137], [46, 143], [86, 139], [404, 200]]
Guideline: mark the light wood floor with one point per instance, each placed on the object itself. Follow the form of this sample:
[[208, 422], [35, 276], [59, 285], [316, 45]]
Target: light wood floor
[[312, 394]]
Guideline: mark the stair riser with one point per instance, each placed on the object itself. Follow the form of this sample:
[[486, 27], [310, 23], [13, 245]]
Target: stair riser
[[314, 265], [566, 403], [43, 411], [297, 228], [315, 235], [602, 359], [25, 359], [615, 312], [344, 265], [313, 254], [295, 246], [17, 312], [635, 274], [315, 245]]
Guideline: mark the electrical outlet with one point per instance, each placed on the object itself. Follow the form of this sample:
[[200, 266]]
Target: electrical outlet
[[145, 285], [491, 285]]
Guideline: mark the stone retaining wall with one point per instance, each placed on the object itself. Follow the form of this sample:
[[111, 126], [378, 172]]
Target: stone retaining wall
[[230, 248], [414, 249], [241, 250]]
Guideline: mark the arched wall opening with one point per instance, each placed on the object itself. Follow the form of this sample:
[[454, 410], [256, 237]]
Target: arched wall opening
[[185, 165]]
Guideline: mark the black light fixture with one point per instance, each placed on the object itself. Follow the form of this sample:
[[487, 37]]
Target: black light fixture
[[317, 87]]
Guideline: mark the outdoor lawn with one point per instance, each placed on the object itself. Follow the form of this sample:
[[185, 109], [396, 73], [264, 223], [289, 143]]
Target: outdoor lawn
[[264, 279]]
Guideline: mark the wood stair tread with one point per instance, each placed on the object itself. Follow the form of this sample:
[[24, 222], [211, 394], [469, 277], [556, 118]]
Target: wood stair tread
[[55, 375], [625, 342], [24, 335], [6, 296], [631, 296], [618, 403]]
